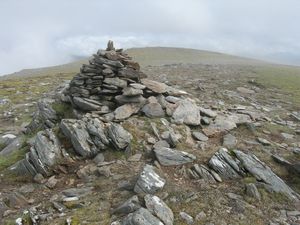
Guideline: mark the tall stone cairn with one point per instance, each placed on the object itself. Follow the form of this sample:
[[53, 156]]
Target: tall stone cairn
[[110, 79]]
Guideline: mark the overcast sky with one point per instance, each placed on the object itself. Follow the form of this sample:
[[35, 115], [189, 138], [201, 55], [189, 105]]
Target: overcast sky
[[37, 33]]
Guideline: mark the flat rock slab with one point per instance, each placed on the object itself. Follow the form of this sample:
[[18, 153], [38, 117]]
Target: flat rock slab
[[187, 112], [126, 110], [86, 104], [155, 86], [264, 173], [199, 136], [171, 157], [149, 181]]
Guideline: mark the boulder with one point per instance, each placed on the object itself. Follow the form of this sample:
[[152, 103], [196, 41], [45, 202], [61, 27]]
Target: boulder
[[187, 112], [171, 157], [149, 181], [208, 112], [159, 209]]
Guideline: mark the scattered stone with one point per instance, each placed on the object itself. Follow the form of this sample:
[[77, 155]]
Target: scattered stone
[[171, 157], [199, 136], [135, 158], [287, 136], [263, 141], [129, 206], [244, 90], [149, 181], [99, 158], [186, 217], [51, 183]]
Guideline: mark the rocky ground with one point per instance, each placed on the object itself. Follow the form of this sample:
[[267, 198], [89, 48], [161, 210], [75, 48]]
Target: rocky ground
[[227, 152]]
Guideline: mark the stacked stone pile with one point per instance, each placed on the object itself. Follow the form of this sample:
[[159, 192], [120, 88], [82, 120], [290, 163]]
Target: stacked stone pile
[[112, 84]]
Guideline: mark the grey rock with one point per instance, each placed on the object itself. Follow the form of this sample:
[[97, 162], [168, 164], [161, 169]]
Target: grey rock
[[161, 143], [187, 112], [155, 86], [222, 124], [224, 164], [170, 157], [264, 173], [153, 110], [159, 209], [130, 91], [287, 136], [199, 136], [76, 131], [77, 192], [44, 117], [6, 140], [208, 112], [98, 132], [13, 146], [204, 173], [252, 191], [86, 104], [126, 110], [129, 206], [141, 217], [51, 183], [186, 217], [118, 136], [149, 181], [229, 141], [244, 90], [116, 82], [122, 99], [137, 86], [173, 99], [263, 141], [99, 158]]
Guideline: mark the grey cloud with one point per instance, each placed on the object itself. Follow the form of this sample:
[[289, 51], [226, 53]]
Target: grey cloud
[[36, 33]]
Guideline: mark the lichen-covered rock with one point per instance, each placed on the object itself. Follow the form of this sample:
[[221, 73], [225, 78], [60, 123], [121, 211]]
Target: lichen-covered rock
[[149, 181], [159, 209]]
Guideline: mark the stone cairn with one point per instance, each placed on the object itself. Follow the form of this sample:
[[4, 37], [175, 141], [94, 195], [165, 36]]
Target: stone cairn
[[112, 84]]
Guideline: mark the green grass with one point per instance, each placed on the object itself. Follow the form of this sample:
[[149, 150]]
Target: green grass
[[63, 110], [6, 161], [286, 78]]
